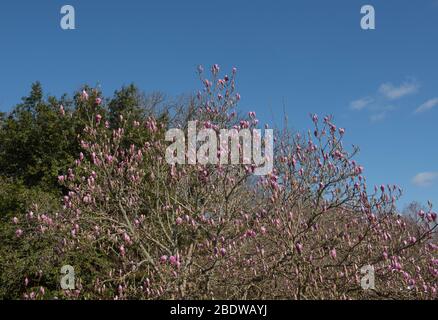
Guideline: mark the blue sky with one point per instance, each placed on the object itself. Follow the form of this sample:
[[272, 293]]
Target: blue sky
[[297, 56]]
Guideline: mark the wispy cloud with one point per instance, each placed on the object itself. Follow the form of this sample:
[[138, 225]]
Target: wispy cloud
[[429, 104], [380, 112], [377, 117], [425, 179], [392, 92], [380, 103], [361, 103]]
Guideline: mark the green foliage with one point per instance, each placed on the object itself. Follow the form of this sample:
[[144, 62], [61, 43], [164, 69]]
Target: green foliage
[[19, 259], [127, 101], [39, 140], [36, 142]]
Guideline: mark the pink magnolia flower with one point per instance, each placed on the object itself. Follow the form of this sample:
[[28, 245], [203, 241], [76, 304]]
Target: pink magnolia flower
[[127, 238], [173, 260], [358, 170], [179, 221], [333, 253], [98, 101], [250, 233], [163, 259], [15, 220], [19, 233], [98, 118], [299, 247], [84, 95]]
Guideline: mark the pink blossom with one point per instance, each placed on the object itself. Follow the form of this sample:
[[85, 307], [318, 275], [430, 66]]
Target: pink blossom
[[333, 253], [127, 238], [173, 260], [122, 250], [358, 170], [299, 247], [84, 95]]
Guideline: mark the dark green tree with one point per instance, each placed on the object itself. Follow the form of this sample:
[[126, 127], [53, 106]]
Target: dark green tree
[[37, 140]]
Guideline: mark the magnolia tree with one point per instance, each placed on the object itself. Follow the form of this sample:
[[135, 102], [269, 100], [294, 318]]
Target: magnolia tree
[[134, 226]]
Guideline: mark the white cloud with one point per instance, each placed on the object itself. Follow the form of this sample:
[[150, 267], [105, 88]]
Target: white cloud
[[425, 179], [395, 92], [359, 104], [379, 104], [378, 117], [429, 104]]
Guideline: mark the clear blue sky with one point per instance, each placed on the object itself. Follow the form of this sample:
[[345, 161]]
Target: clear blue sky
[[303, 56]]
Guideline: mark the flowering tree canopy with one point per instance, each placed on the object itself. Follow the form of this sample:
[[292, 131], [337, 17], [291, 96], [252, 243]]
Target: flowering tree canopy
[[134, 226]]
